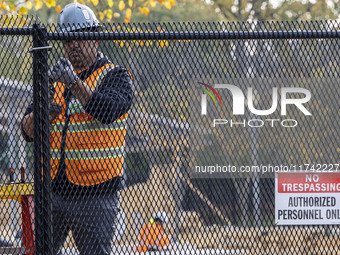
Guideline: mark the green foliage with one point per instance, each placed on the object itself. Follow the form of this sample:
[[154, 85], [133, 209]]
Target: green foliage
[[298, 10], [137, 167], [287, 10], [18, 62], [188, 11], [4, 157]]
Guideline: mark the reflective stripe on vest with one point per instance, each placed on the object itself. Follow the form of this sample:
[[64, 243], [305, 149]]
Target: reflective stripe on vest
[[80, 129], [89, 154], [93, 151], [84, 126]]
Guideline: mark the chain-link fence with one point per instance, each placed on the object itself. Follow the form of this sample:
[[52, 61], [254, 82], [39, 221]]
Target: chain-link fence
[[168, 137]]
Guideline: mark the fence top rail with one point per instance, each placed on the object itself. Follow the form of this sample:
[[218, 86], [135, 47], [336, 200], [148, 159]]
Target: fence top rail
[[197, 35], [180, 35], [16, 30]]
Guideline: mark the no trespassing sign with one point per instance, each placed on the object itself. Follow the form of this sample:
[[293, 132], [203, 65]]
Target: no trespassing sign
[[307, 198]]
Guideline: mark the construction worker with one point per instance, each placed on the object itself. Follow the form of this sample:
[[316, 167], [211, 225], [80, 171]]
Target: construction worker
[[89, 102], [152, 236]]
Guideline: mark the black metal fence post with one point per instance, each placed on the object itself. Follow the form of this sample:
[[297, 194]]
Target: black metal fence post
[[42, 157]]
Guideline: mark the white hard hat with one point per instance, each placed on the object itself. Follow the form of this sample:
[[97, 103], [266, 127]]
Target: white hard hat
[[161, 216], [75, 17]]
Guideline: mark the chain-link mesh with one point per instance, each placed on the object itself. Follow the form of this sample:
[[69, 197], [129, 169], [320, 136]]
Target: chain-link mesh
[[16, 164], [167, 137]]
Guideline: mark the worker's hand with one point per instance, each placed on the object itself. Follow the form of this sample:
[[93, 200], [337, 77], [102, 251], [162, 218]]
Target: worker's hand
[[62, 72], [55, 109]]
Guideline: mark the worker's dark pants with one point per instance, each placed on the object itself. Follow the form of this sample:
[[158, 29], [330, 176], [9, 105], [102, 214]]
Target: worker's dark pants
[[91, 219]]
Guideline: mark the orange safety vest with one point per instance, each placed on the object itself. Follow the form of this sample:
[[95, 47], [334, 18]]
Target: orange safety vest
[[93, 151], [152, 237]]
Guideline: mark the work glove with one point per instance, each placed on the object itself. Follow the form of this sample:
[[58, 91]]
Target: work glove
[[55, 109], [62, 72]]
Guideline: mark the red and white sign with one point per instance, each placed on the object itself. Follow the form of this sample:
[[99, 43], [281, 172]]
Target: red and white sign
[[307, 198]]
